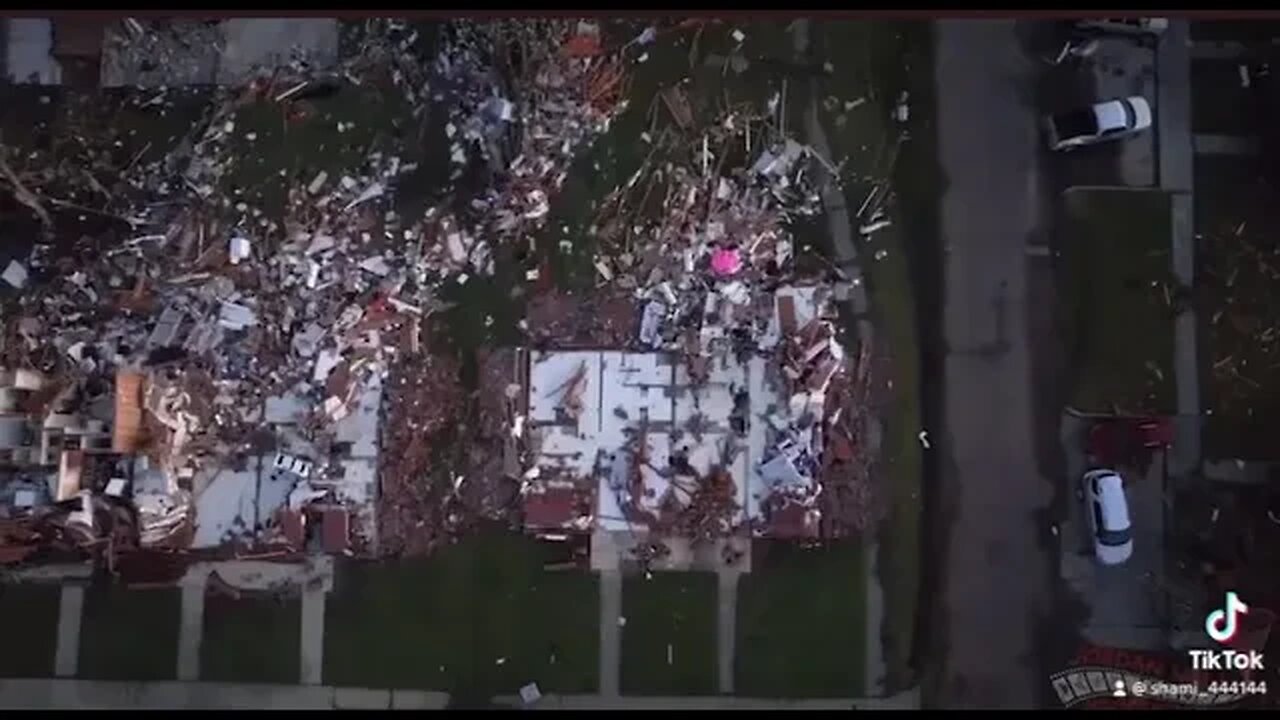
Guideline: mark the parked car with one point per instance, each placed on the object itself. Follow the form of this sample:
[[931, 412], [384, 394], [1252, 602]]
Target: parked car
[[1103, 122], [1130, 26], [1108, 509], [291, 463]]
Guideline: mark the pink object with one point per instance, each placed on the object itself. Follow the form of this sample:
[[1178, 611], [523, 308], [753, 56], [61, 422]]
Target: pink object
[[726, 262]]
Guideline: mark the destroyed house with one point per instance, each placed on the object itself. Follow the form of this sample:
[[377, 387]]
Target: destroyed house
[[649, 441], [21, 442], [42, 421]]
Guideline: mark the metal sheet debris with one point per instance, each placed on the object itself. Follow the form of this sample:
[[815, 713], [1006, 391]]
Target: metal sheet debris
[[15, 273], [530, 694], [272, 337]]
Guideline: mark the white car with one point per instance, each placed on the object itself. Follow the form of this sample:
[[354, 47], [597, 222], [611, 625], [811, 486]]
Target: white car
[[1108, 509], [1103, 122], [291, 463]]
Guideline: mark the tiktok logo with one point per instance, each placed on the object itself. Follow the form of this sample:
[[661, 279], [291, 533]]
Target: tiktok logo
[[1223, 623]]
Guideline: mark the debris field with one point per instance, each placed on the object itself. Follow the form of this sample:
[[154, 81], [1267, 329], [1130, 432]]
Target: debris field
[[215, 345]]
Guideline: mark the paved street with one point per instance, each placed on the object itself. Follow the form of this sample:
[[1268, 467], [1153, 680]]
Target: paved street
[[997, 589]]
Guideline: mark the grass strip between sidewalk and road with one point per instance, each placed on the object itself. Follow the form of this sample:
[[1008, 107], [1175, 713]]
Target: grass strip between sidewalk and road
[[869, 63]]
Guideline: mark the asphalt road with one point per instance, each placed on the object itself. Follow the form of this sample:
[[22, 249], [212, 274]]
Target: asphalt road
[[997, 589]]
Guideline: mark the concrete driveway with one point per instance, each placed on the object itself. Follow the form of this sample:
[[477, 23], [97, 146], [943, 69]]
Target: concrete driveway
[[1125, 602], [1120, 67]]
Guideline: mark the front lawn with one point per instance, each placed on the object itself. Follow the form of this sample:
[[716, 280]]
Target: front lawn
[[1239, 283], [129, 634], [1121, 296], [31, 630], [669, 639], [251, 640], [802, 622], [481, 618]]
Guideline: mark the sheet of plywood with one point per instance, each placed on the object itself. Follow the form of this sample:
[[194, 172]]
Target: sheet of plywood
[[126, 435], [70, 471]]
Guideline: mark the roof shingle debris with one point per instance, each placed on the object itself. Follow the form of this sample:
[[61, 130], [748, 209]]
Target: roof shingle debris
[[240, 323], [731, 405], [253, 344]]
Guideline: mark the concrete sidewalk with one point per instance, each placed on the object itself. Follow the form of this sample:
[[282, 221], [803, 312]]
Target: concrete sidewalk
[[1176, 145], [909, 700], [48, 694]]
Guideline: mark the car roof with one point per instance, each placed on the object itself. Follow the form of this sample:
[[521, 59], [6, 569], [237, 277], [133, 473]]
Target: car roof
[[1110, 115], [1115, 506], [1141, 110]]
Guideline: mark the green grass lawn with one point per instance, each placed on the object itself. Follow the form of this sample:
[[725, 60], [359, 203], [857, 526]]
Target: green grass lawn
[[1115, 278], [265, 145], [868, 63], [1248, 32], [688, 58], [31, 630], [802, 622], [675, 610], [251, 640], [1219, 105], [1237, 295], [129, 634], [480, 618]]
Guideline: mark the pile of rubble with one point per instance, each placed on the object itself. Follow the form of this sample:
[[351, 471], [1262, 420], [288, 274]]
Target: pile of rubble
[[567, 95], [712, 293], [225, 303], [605, 318], [716, 222], [712, 283], [87, 526], [239, 330], [830, 438], [423, 400], [569, 90]]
